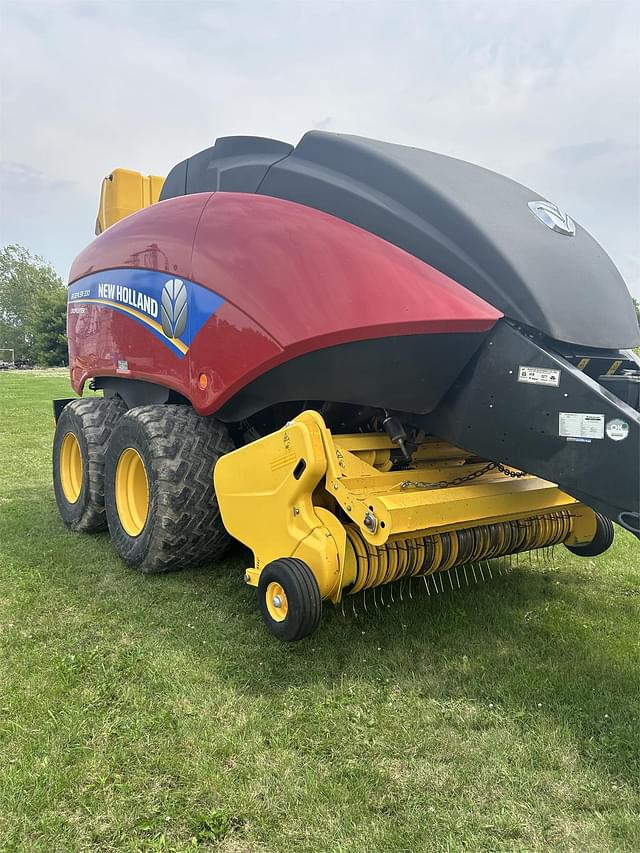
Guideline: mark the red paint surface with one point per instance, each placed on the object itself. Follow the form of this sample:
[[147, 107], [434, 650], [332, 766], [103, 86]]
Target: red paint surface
[[156, 238], [294, 280]]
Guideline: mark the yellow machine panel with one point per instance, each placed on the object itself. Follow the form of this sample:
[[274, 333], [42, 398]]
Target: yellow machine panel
[[333, 502], [124, 192]]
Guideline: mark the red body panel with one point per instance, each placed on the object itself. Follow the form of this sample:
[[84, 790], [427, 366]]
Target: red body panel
[[293, 279], [156, 238]]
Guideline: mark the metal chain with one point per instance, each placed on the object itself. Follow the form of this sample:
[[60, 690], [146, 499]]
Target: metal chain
[[458, 481]]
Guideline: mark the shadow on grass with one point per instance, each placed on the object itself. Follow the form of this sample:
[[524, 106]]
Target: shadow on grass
[[537, 636], [517, 642]]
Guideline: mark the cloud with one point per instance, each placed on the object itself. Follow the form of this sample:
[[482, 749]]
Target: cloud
[[20, 179], [322, 123], [544, 93], [587, 152]]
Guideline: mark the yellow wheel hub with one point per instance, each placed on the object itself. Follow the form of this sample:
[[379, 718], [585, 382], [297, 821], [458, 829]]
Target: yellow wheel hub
[[277, 603], [71, 467], [132, 492]]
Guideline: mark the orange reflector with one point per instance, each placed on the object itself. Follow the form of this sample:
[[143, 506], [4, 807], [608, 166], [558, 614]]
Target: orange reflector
[[203, 381]]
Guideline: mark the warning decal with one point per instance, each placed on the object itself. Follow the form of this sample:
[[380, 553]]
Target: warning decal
[[539, 376], [580, 425]]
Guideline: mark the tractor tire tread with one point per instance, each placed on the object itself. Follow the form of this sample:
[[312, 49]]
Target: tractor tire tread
[[96, 418], [183, 448]]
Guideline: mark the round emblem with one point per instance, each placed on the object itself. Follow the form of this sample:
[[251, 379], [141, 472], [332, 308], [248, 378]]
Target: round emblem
[[617, 429]]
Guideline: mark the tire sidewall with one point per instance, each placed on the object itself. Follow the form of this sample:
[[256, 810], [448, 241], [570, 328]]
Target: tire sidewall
[[129, 434], [294, 626], [600, 543], [69, 422]]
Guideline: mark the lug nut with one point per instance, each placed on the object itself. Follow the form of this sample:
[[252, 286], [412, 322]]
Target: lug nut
[[370, 522]]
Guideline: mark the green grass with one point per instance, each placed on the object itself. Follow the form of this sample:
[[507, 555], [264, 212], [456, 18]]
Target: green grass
[[156, 714]]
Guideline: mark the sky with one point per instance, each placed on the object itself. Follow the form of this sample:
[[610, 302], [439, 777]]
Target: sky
[[546, 92]]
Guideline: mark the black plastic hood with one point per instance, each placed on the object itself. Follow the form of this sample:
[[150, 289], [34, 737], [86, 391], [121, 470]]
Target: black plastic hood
[[234, 164], [470, 223]]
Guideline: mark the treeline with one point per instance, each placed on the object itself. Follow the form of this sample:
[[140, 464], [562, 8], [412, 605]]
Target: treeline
[[33, 309]]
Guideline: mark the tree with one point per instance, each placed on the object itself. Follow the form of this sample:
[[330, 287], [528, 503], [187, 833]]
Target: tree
[[48, 329], [32, 307]]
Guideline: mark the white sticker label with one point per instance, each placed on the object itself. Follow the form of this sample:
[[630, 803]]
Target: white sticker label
[[617, 430], [579, 425], [539, 376], [123, 366]]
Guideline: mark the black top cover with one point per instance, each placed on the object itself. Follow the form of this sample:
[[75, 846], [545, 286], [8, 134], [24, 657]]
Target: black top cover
[[470, 223], [234, 164]]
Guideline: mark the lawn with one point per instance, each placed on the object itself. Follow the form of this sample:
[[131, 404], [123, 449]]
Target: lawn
[[156, 714]]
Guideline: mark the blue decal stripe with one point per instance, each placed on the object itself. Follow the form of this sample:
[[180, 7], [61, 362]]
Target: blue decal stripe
[[183, 349], [162, 303]]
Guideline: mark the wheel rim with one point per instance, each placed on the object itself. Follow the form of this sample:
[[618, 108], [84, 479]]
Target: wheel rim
[[71, 468], [132, 492], [277, 603]]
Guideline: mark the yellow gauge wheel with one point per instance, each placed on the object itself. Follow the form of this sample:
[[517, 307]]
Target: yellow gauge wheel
[[71, 467], [132, 492], [277, 604]]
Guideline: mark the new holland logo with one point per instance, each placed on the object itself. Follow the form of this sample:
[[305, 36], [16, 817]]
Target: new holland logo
[[174, 308], [551, 215]]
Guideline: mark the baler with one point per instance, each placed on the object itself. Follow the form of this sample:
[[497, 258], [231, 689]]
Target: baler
[[368, 363]]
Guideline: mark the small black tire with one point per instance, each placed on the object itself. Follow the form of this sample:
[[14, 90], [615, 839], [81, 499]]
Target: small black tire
[[82, 434], [601, 542], [181, 526], [298, 613]]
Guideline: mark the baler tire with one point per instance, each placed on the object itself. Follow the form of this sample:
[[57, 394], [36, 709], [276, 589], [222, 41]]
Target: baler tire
[[600, 543], [181, 526], [303, 610], [89, 422]]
